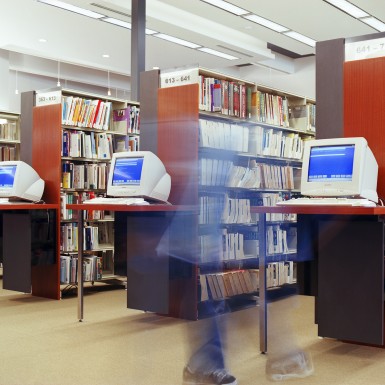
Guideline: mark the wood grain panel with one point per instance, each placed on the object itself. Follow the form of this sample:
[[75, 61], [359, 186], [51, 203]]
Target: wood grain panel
[[46, 153], [364, 108], [46, 160], [178, 125]]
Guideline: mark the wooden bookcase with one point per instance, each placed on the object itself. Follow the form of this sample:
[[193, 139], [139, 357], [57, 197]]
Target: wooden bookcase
[[46, 133], [9, 136], [179, 146]]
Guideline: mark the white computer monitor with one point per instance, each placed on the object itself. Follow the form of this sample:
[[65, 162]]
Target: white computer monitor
[[138, 174], [19, 181], [340, 167]]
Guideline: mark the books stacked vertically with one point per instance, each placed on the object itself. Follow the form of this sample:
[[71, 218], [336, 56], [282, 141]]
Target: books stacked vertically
[[223, 135], [89, 145], [9, 131], [218, 286], [126, 120], [8, 153], [92, 268], [266, 141], [78, 197], [232, 98], [89, 113], [89, 176], [271, 109], [302, 117], [126, 143]]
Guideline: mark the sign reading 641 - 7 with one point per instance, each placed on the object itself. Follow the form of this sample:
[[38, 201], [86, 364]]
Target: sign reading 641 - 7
[[179, 77], [365, 49]]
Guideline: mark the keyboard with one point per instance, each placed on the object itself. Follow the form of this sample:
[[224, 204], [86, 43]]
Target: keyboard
[[360, 202], [116, 201]]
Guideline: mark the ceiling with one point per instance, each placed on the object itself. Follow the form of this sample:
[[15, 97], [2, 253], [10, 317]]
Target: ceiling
[[76, 39]]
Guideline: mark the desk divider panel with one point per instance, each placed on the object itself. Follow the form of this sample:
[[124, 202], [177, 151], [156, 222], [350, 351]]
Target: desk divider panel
[[351, 284], [17, 252]]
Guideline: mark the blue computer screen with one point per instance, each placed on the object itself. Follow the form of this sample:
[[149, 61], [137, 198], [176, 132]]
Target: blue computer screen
[[127, 171], [7, 176], [331, 163]]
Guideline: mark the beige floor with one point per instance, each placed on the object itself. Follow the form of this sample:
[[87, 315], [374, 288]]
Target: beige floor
[[42, 343]]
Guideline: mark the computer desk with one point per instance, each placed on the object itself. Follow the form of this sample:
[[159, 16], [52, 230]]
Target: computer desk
[[17, 244], [155, 218], [342, 249], [343, 252]]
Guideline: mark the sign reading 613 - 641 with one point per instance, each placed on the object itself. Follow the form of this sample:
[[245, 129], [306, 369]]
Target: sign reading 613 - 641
[[179, 77]]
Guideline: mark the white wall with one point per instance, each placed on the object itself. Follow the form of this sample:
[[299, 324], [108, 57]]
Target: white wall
[[38, 73]]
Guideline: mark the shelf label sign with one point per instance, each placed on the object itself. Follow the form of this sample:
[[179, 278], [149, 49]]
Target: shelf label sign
[[49, 97], [179, 77], [365, 49]]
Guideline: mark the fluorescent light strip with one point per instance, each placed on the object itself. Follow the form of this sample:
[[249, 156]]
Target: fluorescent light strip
[[349, 8], [120, 23], [217, 53], [266, 23], [72, 8], [301, 38], [125, 24], [358, 13], [176, 40], [375, 23], [227, 7]]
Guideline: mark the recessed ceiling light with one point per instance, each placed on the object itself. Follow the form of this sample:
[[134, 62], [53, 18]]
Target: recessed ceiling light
[[43, 40], [72, 8], [106, 55]]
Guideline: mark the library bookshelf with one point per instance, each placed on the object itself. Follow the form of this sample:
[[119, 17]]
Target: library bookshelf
[[216, 158], [9, 136], [72, 144]]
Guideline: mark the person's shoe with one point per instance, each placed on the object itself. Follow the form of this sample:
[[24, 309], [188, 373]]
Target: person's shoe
[[296, 365], [217, 377]]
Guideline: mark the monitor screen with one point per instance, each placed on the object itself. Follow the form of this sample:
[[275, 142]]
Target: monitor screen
[[331, 163], [7, 176], [138, 174], [339, 167], [127, 171]]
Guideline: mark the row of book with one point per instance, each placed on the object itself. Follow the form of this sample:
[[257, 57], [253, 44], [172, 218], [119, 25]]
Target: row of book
[[270, 200], [228, 245], [219, 209], [264, 175], [77, 198], [9, 131], [280, 241], [90, 113], [89, 176], [90, 145], [8, 153], [91, 237], [126, 120], [92, 269], [227, 284], [265, 141], [302, 117], [270, 108], [223, 135], [126, 143], [256, 140], [226, 97]]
